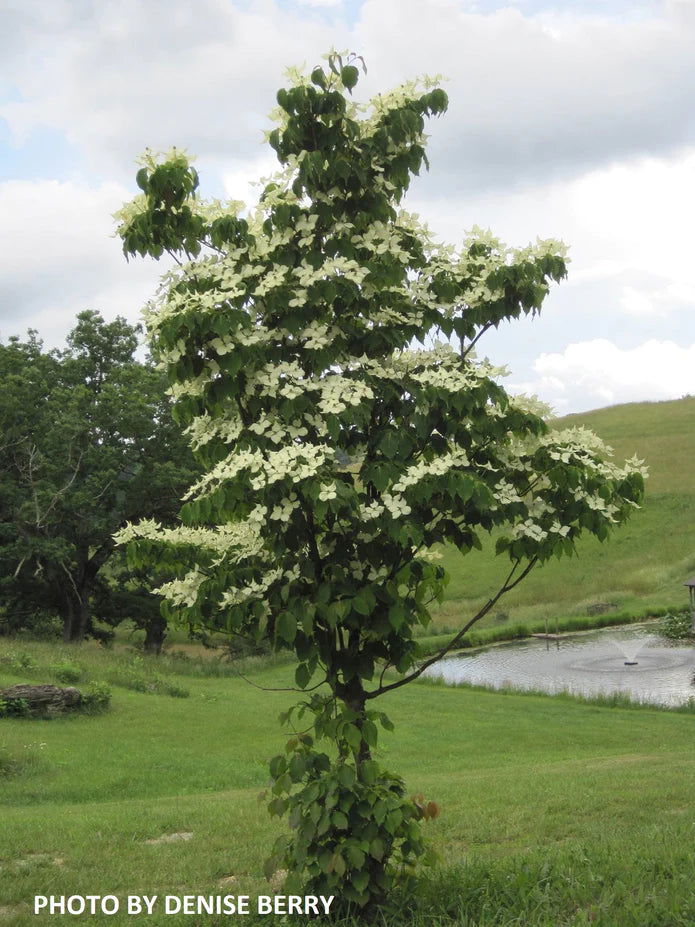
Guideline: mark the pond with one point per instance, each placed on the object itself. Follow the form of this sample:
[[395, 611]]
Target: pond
[[633, 660]]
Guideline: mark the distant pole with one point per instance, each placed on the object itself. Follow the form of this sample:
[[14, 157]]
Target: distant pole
[[691, 589]]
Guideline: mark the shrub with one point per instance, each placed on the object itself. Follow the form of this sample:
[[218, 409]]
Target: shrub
[[66, 672], [170, 688], [677, 627], [18, 661], [96, 698], [13, 707]]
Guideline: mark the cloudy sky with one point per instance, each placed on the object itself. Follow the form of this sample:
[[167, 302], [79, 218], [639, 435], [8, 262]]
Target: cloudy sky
[[573, 120]]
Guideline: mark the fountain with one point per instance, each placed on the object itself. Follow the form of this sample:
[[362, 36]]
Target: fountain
[[629, 650], [604, 661]]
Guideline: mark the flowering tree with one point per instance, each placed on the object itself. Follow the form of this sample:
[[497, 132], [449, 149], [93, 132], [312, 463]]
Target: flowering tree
[[288, 344]]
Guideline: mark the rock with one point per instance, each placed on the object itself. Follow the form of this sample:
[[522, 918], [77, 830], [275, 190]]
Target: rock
[[49, 700]]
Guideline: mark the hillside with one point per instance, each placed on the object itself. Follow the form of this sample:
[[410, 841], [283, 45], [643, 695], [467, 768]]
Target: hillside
[[642, 566]]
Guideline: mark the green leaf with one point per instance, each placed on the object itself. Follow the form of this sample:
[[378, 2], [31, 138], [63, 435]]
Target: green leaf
[[278, 765], [297, 767], [369, 771], [277, 807], [308, 620], [364, 602], [397, 615], [377, 848], [355, 856], [352, 735], [346, 776], [370, 733], [302, 675], [360, 880], [349, 76], [389, 445], [286, 626], [319, 78], [338, 864]]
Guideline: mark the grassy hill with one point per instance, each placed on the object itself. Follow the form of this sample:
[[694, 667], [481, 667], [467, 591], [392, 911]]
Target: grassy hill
[[642, 567]]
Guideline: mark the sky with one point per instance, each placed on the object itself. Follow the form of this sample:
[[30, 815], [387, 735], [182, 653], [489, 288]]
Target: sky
[[572, 120]]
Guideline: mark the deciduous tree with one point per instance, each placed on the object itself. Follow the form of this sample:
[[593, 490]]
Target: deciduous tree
[[289, 340], [88, 443]]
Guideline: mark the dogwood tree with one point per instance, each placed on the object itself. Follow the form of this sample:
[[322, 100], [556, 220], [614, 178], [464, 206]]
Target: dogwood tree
[[290, 340]]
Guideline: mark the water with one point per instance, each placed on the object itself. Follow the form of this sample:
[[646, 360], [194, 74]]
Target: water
[[584, 664]]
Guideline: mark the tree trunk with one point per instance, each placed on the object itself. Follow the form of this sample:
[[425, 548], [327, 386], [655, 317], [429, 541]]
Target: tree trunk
[[77, 617], [68, 618], [356, 701], [155, 632], [84, 616]]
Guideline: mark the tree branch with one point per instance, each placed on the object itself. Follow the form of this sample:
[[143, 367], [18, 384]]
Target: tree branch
[[506, 587], [469, 348], [280, 688]]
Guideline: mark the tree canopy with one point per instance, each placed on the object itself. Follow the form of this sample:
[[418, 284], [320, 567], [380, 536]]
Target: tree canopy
[[88, 443], [289, 337]]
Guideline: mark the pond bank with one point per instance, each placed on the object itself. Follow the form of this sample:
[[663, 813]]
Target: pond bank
[[483, 637]]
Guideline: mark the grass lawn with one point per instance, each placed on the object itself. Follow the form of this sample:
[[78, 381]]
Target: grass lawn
[[554, 812]]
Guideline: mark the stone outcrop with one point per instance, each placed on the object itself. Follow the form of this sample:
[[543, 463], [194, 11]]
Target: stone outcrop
[[46, 700]]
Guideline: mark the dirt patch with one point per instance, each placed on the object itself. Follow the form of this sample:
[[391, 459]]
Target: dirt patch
[[277, 878], [170, 838], [32, 860]]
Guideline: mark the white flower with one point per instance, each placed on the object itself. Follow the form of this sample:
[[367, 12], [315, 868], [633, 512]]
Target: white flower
[[396, 506], [327, 492], [371, 510]]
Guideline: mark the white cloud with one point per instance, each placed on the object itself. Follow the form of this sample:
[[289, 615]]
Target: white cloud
[[320, 3], [526, 104], [635, 302], [116, 78], [643, 209], [59, 257], [594, 373], [242, 181], [631, 216], [527, 101], [629, 231]]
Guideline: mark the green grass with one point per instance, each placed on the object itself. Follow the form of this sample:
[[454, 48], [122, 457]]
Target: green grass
[[554, 811], [641, 568]]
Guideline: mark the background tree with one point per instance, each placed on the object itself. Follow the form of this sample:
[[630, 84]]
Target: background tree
[[88, 442], [289, 347]]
